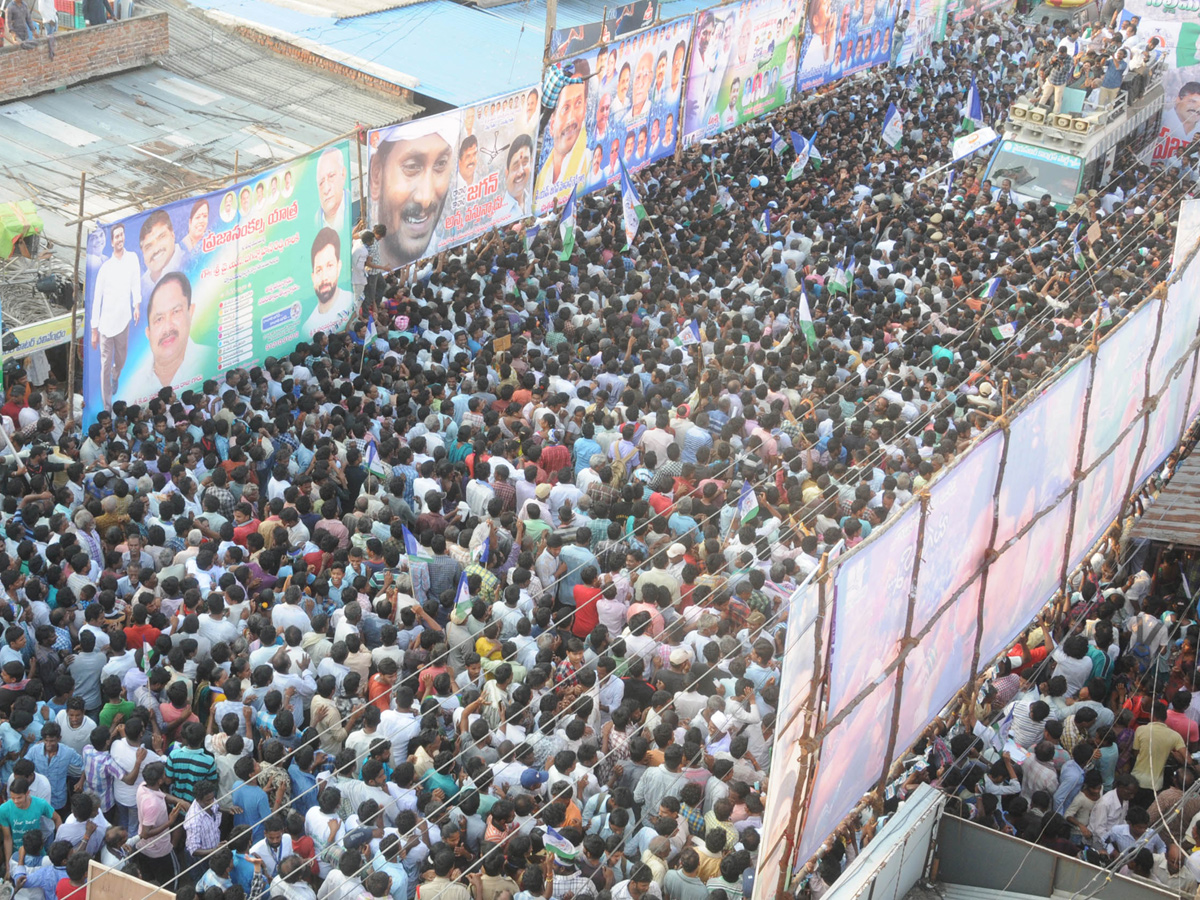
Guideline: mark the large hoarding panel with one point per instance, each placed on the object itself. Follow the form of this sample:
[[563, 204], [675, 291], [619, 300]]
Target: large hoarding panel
[[627, 109], [1164, 424], [179, 293], [1182, 314], [795, 690], [1044, 442], [872, 605], [446, 179], [1021, 581], [852, 761], [743, 65], [844, 37], [916, 30], [958, 526], [938, 667], [1118, 387], [1101, 494]]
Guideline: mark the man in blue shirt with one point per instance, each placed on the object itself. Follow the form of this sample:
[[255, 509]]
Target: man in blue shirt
[[45, 877], [251, 806], [1070, 780], [577, 556], [56, 761]]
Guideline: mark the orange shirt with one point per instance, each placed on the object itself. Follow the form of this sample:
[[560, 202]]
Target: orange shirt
[[379, 693]]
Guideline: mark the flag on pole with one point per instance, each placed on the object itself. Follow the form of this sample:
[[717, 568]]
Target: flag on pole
[[688, 335], [805, 320], [566, 228], [463, 594], [374, 465], [893, 127], [800, 145], [747, 503], [484, 550], [814, 155], [510, 283], [634, 211], [763, 223], [837, 280], [950, 182], [1104, 315], [1076, 250], [411, 547], [993, 285], [973, 110], [776, 142], [1005, 331], [530, 235]]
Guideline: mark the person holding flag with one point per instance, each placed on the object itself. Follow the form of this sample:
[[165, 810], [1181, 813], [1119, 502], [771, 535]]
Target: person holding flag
[[566, 228], [893, 127], [631, 205]]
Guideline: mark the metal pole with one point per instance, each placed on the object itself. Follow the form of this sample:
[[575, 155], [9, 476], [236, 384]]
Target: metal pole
[[75, 298], [362, 183]]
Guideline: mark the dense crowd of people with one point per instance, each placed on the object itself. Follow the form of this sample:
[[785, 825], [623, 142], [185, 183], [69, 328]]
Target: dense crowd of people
[[403, 614]]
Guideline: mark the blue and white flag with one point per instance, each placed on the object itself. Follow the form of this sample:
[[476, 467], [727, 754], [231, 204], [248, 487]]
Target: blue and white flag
[[747, 503], [973, 110], [689, 334], [763, 223], [631, 205], [530, 235], [463, 594], [411, 547], [993, 285], [373, 464], [893, 127], [777, 144], [801, 146], [484, 550]]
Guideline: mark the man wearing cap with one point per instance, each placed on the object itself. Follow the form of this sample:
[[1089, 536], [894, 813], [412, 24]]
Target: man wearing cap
[[410, 174]]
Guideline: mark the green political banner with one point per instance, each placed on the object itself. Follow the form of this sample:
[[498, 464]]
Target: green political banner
[[181, 293]]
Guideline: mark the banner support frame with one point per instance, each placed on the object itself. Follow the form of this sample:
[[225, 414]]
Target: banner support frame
[[75, 297]]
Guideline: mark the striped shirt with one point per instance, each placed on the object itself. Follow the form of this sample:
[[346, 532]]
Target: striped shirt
[[186, 768], [101, 772]]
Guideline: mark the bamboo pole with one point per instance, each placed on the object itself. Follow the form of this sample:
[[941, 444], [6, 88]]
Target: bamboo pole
[[75, 297]]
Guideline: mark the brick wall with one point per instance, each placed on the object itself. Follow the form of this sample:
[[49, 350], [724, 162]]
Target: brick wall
[[82, 55], [300, 54]]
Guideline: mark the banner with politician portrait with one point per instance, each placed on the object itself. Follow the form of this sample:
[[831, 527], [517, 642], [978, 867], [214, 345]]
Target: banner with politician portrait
[[743, 65], [178, 294], [445, 179], [1175, 30], [623, 107], [843, 37]]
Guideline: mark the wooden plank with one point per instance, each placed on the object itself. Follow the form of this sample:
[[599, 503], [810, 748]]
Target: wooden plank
[[109, 884]]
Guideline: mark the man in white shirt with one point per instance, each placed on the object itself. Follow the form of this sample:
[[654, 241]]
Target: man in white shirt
[[116, 301]]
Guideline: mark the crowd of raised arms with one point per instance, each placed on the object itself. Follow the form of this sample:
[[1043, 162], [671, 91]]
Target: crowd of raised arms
[[398, 615]]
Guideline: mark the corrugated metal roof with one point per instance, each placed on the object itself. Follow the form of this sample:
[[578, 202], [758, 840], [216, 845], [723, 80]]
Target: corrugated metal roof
[[417, 45], [1174, 517], [161, 128]]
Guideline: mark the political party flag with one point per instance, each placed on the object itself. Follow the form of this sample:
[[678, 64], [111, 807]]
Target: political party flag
[[411, 547], [837, 281], [688, 335], [374, 464], [558, 845], [814, 155], [1005, 331], [510, 282], [949, 182], [908, 80], [485, 549], [893, 127], [747, 503], [1076, 250], [463, 593], [530, 235], [993, 285], [801, 146], [634, 211], [776, 142], [763, 223], [1104, 315], [805, 320], [566, 228], [973, 110]]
